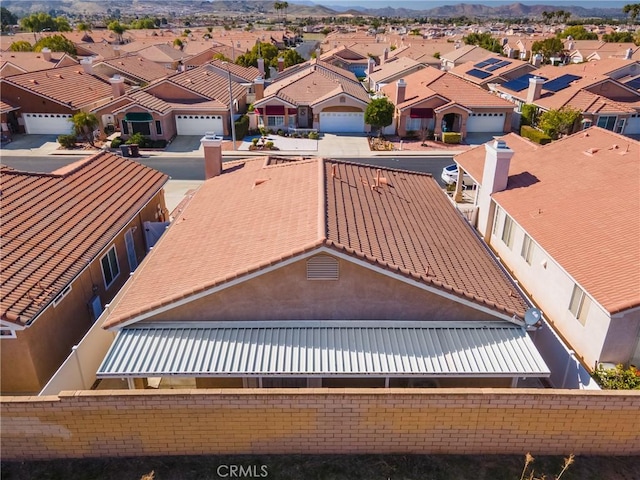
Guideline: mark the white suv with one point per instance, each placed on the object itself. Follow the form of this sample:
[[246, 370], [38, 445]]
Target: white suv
[[450, 175]]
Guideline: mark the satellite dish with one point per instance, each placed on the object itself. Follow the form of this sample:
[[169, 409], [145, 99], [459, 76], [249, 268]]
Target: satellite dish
[[532, 316]]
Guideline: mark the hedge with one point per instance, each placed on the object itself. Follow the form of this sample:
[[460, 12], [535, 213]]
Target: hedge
[[67, 141], [451, 137], [242, 127], [534, 135]]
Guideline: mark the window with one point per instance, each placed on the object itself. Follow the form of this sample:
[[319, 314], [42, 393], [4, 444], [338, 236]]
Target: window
[[322, 267], [158, 127], [413, 124], [292, 121], [527, 249], [579, 305], [496, 219], [125, 127], [507, 231], [110, 267], [275, 120], [7, 333], [586, 124], [620, 125], [141, 127], [607, 121]]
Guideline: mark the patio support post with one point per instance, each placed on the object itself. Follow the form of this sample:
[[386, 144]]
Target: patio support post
[[233, 125], [457, 197]]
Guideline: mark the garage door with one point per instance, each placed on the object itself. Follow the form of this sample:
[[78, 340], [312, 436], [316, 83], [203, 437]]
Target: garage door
[[342, 122], [485, 122], [199, 124], [47, 123], [633, 125]]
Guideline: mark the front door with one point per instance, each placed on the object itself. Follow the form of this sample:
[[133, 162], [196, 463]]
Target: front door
[[304, 117]]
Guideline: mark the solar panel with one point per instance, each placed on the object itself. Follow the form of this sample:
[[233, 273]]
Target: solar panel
[[491, 61], [520, 83], [478, 74], [503, 63], [493, 67], [634, 83], [481, 64], [560, 83]]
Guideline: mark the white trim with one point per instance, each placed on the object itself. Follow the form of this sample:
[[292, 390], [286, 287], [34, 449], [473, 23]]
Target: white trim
[[11, 334], [12, 326], [62, 294], [107, 285]]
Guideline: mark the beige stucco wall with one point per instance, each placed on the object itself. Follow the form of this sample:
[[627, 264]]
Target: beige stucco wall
[[286, 294], [613, 91]]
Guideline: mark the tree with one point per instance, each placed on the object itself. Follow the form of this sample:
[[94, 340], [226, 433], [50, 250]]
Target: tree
[[21, 46], [618, 37], [84, 124], [83, 27], [292, 57], [484, 40], [632, 10], [267, 51], [550, 47], [143, 23], [118, 29], [577, 32], [556, 122], [379, 113], [7, 18], [55, 43]]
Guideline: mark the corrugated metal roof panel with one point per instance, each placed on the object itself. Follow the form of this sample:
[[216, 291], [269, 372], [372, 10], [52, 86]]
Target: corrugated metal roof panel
[[323, 348]]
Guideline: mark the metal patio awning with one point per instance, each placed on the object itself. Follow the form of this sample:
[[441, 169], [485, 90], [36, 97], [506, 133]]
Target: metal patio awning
[[138, 117], [348, 348]]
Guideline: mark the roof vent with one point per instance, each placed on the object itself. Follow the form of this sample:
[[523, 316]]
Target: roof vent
[[500, 144], [323, 267], [592, 151], [259, 181]]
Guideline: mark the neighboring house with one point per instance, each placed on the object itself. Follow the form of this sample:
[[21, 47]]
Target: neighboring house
[[49, 98], [314, 95], [605, 91], [390, 71], [8, 120], [519, 48], [463, 54], [492, 69], [421, 51], [245, 76], [345, 58], [15, 63], [437, 101], [163, 54], [136, 70], [187, 103], [295, 273], [559, 236], [625, 51], [69, 240], [587, 50]]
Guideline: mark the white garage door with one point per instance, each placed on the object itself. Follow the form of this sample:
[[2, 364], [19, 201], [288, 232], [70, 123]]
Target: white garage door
[[199, 124], [485, 122], [47, 123], [633, 125], [342, 122]]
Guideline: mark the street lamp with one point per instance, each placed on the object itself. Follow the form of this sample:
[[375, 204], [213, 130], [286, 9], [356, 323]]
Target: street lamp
[[233, 125]]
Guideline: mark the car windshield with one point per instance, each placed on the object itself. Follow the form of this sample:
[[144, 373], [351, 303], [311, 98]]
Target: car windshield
[[451, 168]]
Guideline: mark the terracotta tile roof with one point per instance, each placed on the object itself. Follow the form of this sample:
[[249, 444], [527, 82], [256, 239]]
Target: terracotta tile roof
[[6, 107], [589, 225], [429, 81], [420, 52], [145, 100], [54, 225], [34, 61], [209, 84], [267, 212], [102, 50], [343, 53], [586, 102], [160, 53], [248, 74], [138, 67], [315, 65], [393, 68], [466, 53]]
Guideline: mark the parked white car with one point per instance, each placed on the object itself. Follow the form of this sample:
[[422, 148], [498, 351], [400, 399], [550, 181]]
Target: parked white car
[[450, 175]]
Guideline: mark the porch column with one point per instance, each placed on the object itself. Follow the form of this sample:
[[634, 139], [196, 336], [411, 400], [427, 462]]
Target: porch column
[[437, 128], [463, 125], [457, 196]]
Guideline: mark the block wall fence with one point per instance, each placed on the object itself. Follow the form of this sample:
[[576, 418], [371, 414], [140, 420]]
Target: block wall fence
[[446, 421]]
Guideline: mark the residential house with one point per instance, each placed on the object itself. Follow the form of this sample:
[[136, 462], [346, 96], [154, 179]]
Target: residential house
[[294, 273], [462, 54], [134, 69], [15, 63], [69, 240], [390, 71], [8, 120], [595, 88], [314, 95], [491, 70], [49, 98], [570, 238], [427, 53], [438, 101], [614, 50], [347, 59]]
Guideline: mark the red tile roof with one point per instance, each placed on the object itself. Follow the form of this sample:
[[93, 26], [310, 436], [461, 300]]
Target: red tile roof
[[583, 209], [209, 84], [138, 67], [54, 225], [268, 211]]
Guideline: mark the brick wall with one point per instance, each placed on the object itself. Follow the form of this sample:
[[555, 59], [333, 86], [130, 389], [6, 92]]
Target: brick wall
[[178, 422]]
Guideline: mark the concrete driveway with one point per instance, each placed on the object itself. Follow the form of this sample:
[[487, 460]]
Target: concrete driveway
[[184, 144], [23, 144]]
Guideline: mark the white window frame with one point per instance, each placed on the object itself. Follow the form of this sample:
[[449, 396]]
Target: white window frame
[[112, 252], [579, 304], [606, 119], [527, 249], [496, 220], [508, 231], [8, 333], [278, 121]]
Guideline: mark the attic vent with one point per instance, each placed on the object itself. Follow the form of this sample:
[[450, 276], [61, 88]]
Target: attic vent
[[322, 267], [592, 151]]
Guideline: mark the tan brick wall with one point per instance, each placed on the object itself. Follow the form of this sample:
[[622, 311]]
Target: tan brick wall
[[446, 421]]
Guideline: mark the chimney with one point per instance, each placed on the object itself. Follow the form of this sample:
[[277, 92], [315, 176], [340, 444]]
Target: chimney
[[117, 86], [87, 65], [261, 66], [46, 54], [494, 179], [537, 60], [212, 147], [535, 89], [116, 51], [258, 84], [318, 53], [385, 55], [401, 88], [371, 65], [627, 56], [280, 64]]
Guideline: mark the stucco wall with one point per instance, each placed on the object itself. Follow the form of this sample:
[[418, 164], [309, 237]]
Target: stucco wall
[[613, 91], [286, 294], [445, 421]]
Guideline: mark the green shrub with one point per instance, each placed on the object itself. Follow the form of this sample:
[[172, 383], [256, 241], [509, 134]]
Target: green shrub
[[116, 142], [534, 135], [451, 137], [67, 141], [254, 141], [242, 127], [268, 145], [528, 113], [138, 139], [314, 136], [618, 378]]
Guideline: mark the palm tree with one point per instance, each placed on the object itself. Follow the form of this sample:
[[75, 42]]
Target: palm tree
[[84, 124], [633, 10]]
